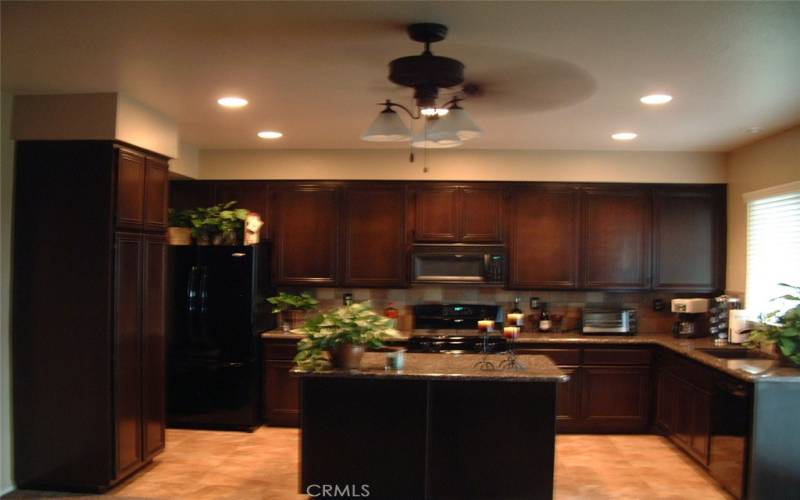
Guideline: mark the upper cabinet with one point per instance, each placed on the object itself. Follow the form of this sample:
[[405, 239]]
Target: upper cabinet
[[449, 213], [373, 246], [688, 238], [141, 190], [306, 250], [616, 237], [544, 238]]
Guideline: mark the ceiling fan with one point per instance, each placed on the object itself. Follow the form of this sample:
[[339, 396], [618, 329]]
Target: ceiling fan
[[446, 125]]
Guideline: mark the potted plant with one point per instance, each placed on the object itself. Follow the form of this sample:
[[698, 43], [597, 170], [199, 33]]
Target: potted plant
[[341, 336], [292, 309], [218, 224], [179, 231], [781, 329]]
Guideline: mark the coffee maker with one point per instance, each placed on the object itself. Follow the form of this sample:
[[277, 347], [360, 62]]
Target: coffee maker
[[692, 318]]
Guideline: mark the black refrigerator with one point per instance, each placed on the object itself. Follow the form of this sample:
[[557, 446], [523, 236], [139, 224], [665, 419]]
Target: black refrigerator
[[218, 310]]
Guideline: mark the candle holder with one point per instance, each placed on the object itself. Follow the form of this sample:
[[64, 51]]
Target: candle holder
[[484, 327], [511, 362]]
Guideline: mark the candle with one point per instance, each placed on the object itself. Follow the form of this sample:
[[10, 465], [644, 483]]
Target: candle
[[485, 325], [516, 319], [511, 332]]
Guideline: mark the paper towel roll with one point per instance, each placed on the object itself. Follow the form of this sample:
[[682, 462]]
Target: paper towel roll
[[739, 326]]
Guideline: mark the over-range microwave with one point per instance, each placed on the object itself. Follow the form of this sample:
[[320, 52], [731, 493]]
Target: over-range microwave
[[458, 263]]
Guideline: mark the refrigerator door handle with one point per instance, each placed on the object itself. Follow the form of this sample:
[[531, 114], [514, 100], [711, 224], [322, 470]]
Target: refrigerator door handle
[[204, 290], [235, 365], [191, 289]]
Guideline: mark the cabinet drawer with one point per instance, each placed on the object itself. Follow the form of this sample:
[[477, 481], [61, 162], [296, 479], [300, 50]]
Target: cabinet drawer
[[558, 356], [617, 356], [280, 352]]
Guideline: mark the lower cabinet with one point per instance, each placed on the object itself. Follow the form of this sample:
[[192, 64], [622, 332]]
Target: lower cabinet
[[683, 406], [608, 390], [281, 388]]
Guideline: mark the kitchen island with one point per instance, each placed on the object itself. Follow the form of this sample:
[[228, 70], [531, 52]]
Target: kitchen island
[[440, 428]]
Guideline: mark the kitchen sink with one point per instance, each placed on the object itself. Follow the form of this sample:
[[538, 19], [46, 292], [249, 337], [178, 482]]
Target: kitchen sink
[[735, 353]]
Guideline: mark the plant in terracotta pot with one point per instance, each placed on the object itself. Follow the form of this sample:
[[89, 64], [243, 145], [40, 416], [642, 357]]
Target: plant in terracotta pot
[[292, 309], [341, 336], [179, 231], [781, 328]]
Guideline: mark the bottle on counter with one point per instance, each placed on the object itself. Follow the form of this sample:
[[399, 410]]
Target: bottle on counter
[[535, 313], [545, 324], [516, 317]]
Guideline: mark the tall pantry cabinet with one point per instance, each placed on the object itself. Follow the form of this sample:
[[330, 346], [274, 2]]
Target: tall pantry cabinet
[[88, 312]]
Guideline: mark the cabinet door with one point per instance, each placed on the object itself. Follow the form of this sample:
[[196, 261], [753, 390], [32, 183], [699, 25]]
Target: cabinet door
[[252, 195], [616, 238], [688, 239], [683, 412], [481, 215], [544, 238], [130, 189], [306, 236], [374, 227], [190, 194], [615, 398], [155, 194], [436, 214], [282, 401], [127, 346], [153, 344], [665, 401], [569, 398], [701, 425]]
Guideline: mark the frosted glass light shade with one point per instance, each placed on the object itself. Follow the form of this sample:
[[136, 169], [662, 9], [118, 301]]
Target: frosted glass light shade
[[456, 121], [444, 139], [387, 127]]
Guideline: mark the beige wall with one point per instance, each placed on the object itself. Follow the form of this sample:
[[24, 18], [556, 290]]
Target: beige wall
[[6, 191], [187, 164], [769, 162], [94, 116], [471, 164]]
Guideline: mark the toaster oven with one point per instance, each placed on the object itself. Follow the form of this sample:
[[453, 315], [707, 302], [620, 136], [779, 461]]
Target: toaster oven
[[608, 321]]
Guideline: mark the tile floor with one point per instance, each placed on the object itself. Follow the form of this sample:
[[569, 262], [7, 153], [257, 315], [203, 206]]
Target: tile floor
[[263, 465]]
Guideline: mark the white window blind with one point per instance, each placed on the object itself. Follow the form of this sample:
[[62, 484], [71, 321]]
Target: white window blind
[[773, 249]]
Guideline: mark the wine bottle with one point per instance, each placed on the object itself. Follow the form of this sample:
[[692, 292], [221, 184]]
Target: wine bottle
[[544, 319]]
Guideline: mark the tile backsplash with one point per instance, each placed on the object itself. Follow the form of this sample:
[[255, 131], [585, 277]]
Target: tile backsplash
[[568, 303]]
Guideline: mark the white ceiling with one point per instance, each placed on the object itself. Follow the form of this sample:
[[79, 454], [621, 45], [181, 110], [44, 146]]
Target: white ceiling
[[315, 70]]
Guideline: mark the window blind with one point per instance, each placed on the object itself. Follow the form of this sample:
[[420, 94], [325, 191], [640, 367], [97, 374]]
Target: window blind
[[773, 250]]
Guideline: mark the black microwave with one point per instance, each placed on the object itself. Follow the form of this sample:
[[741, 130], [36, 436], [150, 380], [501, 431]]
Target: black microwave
[[481, 264]]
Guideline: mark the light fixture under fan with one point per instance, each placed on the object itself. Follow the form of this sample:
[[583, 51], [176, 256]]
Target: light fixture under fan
[[447, 125]]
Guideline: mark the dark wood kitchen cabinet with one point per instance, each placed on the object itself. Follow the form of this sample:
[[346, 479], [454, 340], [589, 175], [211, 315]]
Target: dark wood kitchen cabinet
[[306, 247], [185, 194], [616, 398], [455, 213], [89, 314], [544, 241], [373, 235], [281, 387], [689, 238], [616, 237]]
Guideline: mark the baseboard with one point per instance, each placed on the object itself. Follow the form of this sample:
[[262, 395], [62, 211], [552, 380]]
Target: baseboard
[[7, 489]]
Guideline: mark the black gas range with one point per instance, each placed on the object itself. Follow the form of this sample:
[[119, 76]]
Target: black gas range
[[453, 328]]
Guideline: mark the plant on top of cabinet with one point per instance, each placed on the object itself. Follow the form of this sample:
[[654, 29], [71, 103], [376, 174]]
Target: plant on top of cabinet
[[292, 308], [219, 223], [179, 231], [782, 329], [342, 335]]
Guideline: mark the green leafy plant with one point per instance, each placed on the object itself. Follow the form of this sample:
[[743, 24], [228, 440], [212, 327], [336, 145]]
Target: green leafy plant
[[220, 218], [353, 324], [782, 329], [285, 301], [180, 218]]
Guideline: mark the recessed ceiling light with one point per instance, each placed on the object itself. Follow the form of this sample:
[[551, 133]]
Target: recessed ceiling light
[[232, 102], [754, 130], [270, 134], [624, 136], [656, 99]]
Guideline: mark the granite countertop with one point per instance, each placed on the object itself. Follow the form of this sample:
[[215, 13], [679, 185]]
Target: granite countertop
[[748, 370], [449, 367]]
